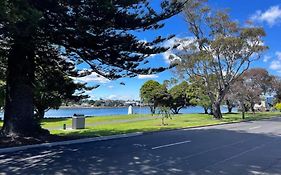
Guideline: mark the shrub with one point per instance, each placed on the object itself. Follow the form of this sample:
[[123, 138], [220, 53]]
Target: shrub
[[278, 106]]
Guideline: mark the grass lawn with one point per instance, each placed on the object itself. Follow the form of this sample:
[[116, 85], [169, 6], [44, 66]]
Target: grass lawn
[[58, 123], [177, 122], [127, 124]]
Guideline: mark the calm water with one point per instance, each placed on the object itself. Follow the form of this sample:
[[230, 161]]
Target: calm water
[[112, 111]]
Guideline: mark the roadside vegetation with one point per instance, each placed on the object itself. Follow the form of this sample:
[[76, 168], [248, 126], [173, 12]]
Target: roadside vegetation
[[111, 125], [41, 59]]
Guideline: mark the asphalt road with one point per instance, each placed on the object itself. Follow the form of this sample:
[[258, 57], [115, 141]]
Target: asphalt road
[[242, 148]]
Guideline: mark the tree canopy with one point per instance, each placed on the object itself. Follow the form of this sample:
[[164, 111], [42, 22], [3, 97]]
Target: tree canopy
[[100, 33], [181, 96], [152, 93], [219, 51]]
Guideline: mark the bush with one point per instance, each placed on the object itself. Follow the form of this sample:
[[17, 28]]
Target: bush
[[278, 106]]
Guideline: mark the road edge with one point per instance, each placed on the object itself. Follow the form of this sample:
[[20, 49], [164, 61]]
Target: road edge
[[112, 137], [69, 142]]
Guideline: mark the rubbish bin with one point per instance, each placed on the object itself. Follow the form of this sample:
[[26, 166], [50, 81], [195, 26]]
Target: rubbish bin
[[78, 122]]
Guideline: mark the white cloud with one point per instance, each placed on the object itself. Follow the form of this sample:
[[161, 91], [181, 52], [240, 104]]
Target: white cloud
[[147, 76], [119, 97], [276, 64], [272, 16], [169, 56], [110, 87], [94, 77], [266, 59]]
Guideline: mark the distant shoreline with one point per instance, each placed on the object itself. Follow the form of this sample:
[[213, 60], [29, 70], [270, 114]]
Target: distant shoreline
[[94, 107]]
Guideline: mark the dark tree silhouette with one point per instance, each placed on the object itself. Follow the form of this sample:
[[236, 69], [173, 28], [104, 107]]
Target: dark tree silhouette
[[101, 33]]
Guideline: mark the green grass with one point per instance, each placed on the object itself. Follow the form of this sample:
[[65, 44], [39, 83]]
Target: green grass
[[53, 123], [177, 122], [149, 125]]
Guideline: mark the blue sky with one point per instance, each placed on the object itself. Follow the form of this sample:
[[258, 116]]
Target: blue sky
[[266, 13]]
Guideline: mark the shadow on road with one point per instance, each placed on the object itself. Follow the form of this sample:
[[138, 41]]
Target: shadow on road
[[211, 151]]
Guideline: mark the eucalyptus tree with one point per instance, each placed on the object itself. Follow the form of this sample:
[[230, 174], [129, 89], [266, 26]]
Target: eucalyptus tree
[[218, 47]]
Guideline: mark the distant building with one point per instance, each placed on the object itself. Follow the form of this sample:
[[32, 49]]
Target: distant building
[[133, 103], [267, 101]]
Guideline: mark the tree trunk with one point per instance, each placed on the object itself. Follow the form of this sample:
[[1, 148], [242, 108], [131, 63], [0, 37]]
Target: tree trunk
[[163, 122], [217, 110], [211, 110], [175, 110], [152, 109], [40, 113], [253, 108], [243, 110], [19, 108], [205, 110], [229, 106]]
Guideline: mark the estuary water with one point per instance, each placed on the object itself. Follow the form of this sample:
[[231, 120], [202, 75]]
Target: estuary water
[[69, 112]]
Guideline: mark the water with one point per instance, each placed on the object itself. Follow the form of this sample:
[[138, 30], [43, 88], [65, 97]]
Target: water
[[115, 111], [69, 112]]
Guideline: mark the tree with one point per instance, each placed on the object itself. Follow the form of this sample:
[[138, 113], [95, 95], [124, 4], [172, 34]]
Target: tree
[[238, 93], [258, 82], [261, 78], [250, 86], [53, 82], [52, 85], [181, 96], [100, 33], [277, 89], [153, 94], [52, 90], [2, 93], [229, 101], [200, 93], [219, 52], [165, 113]]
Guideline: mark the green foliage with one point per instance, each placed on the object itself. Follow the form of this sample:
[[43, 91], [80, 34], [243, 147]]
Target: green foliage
[[219, 52], [154, 94], [278, 106], [182, 96], [148, 90], [201, 97], [96, 32], [100, 33]]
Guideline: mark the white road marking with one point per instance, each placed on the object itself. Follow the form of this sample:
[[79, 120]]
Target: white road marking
[[172, 144], [39, 156], [256, 127], [203, 152]]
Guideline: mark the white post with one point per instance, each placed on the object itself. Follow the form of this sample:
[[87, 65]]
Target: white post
[[130, 110]]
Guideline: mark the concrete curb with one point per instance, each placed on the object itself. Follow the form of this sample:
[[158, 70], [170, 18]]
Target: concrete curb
[[104, 138], [206, 126], [68, 142]]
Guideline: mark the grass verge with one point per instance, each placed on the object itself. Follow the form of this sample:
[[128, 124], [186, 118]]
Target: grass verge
[[149, 125]]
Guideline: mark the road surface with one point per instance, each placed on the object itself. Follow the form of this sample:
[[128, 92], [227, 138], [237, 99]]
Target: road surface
[[241, 148]]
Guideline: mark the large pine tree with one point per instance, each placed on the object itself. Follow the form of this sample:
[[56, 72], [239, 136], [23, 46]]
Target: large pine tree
[[101, 33]]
